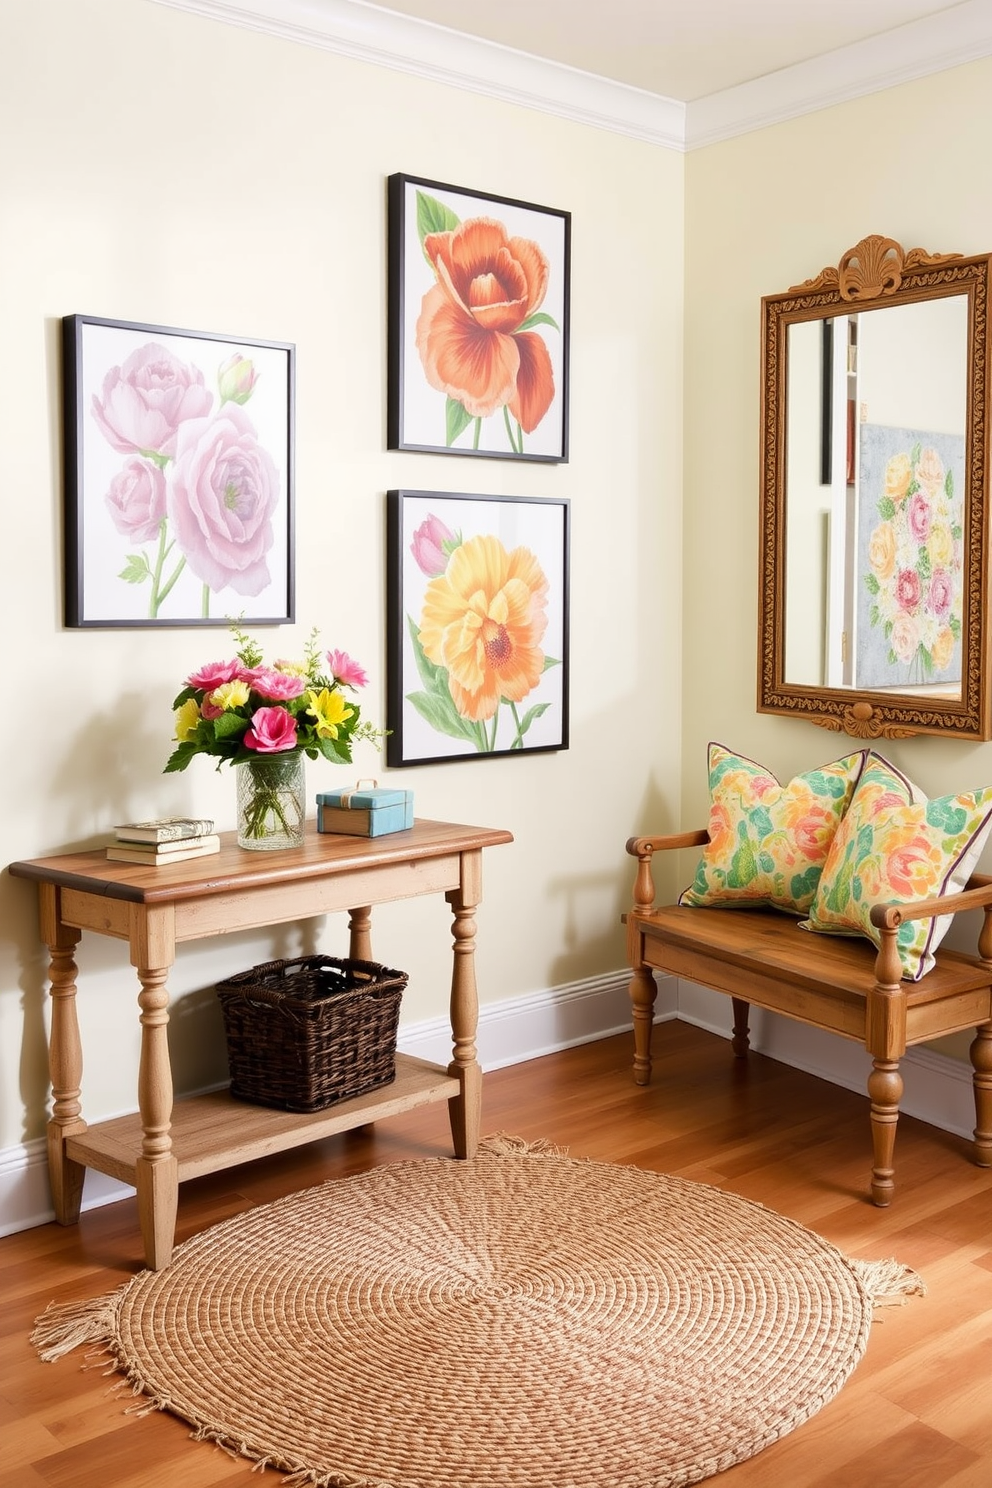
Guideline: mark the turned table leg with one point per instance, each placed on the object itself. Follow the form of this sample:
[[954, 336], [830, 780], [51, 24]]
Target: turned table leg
[[885, 1086], [465, 1109], [156, 1169], [981, 1063], [360, 933], [65, 1059]]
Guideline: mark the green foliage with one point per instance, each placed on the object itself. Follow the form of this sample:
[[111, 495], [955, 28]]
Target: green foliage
[[135, 570], [433, 216], [456, 420]]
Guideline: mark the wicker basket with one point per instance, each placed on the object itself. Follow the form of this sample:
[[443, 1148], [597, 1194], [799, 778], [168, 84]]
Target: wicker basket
[[304, 1034]]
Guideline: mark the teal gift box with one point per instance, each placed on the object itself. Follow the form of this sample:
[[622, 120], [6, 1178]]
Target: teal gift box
[[364, 810]]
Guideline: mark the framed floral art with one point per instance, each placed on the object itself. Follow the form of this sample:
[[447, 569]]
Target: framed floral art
[[477, 626], [178, 476], [910, 542], [478, 323]]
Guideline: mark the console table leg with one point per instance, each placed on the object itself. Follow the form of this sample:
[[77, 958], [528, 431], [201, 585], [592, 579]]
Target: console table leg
[[465, 1109], [360, 933], [156, 1169], [885, 1086], [981, 1062], [65, 1054]]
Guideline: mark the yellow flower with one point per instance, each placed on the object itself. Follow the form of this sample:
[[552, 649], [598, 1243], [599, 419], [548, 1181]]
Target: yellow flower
[[291, 668], [230, 695], [898, 473], [942, 650], [187, 718], [882, 551], [483, 619], [941, 544], [329, 709]]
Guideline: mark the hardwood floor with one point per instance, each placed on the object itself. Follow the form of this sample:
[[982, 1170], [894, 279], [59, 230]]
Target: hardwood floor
[[916, 1413]]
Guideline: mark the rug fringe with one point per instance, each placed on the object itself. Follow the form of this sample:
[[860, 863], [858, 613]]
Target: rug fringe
[[888, 1283], [64, 1326], [504, 1144]]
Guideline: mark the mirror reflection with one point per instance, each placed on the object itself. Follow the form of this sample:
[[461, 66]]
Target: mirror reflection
[[876, 418], [874, 571]]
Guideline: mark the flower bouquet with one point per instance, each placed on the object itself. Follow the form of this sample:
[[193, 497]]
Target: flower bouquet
[[266, 718]]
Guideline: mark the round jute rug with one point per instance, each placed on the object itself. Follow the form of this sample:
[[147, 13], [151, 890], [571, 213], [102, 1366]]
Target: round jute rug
[[522, 1319]]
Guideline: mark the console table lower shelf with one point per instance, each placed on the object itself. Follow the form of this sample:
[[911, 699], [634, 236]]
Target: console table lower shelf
[[154, 909], [213, 1132]]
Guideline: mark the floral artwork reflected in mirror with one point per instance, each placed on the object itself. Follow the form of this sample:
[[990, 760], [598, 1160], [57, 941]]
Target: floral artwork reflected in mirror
[[179, 476], [478, 323], [912, 576], [477, 623]]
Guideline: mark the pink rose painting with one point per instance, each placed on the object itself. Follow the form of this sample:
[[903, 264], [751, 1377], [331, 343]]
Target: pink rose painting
[[182, 475]]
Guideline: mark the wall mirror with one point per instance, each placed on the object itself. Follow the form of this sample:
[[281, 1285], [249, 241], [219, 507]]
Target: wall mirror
[[874, 570]]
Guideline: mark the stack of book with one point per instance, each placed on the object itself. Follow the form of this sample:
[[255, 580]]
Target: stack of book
[[159, 843]]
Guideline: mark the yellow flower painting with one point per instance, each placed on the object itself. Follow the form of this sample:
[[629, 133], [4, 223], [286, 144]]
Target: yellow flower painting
[[478, 628]]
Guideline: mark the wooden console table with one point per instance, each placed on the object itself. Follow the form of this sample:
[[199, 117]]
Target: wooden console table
[[154, 909]]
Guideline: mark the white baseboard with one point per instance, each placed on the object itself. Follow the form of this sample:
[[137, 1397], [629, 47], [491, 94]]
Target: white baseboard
[[938, 1089]]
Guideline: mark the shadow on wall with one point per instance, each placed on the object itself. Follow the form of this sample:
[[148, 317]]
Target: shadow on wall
[[593, 943]]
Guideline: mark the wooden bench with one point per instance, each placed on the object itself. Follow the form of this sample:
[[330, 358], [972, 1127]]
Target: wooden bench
[[762, 958]]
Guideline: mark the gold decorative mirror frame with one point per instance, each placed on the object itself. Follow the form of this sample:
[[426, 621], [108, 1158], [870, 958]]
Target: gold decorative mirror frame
[[874, 275]]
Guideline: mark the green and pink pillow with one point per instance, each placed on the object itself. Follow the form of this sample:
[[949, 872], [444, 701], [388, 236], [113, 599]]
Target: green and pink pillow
[[769, 842], [895, 845]]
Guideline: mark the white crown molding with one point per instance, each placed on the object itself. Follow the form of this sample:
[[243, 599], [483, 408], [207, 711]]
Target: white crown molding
[[384, 38], [961, 34]]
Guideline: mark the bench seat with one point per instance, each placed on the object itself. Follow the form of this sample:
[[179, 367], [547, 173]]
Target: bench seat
[[762, 958]]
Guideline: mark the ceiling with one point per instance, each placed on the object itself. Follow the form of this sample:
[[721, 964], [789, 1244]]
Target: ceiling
[[678, 49]]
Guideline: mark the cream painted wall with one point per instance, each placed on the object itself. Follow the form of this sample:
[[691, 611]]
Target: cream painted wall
[[763, 212], [164, 168]]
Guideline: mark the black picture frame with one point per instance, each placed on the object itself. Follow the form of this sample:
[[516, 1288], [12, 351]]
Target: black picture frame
[[165, 430], [504, 693], [508, 399]]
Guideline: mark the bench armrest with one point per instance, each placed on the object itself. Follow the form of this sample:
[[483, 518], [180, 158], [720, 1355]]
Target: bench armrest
[[978, 895], [888, 917], [644, 849]]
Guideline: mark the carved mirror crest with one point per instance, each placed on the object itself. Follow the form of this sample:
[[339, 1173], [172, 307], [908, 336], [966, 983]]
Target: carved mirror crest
[[874, 577]]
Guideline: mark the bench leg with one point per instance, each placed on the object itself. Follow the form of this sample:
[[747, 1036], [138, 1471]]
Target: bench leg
[[741, 1041], [643, 991], [885, 1088], [981, 1062]]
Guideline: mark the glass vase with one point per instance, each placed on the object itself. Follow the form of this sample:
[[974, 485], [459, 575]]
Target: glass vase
[[271, 801]]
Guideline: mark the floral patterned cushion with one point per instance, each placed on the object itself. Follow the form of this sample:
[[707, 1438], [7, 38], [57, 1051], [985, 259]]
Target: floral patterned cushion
[[894, 844], [769, 842]]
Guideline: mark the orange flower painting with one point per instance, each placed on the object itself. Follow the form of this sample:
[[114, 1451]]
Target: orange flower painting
[[480, 623], [478, 335]]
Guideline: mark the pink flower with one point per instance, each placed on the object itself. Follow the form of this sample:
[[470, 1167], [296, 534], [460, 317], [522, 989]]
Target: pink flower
[[907, 589], [215, 674], [345, 671], [268, 683], [272, 731], [136, 499], [223, 491], [941, 595], [210, 710], [236, 379], [143, 402], [919, 516], [428, 546]]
